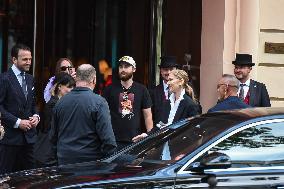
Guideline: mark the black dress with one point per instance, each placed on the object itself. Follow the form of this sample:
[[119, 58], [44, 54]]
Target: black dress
[[44, 151]]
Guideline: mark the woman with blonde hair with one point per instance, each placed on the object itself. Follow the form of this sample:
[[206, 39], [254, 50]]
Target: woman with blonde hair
[[181, 103]]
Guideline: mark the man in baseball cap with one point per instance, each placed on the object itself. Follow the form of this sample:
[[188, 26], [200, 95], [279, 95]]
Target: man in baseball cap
[[125, 114], [127, 60]]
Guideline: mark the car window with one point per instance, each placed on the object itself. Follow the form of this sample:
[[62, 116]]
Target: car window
[[256, 146], [171, 145]]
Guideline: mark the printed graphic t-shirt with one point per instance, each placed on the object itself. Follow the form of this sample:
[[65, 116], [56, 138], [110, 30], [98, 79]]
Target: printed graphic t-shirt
[[126, 109]]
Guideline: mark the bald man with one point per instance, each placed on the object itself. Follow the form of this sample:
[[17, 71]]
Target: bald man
[[228, 99], [81, 126]]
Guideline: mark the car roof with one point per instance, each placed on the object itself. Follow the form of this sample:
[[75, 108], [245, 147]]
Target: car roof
[[246, 114], [234, 117]]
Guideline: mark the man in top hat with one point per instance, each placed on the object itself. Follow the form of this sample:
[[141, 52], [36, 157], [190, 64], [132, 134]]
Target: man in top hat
[[251, 92], [160, 93]]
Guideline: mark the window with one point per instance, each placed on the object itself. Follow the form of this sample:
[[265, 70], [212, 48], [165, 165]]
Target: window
[[259, 146]]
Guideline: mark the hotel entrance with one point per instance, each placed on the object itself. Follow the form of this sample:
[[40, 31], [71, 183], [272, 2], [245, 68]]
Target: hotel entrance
[[87, 31]]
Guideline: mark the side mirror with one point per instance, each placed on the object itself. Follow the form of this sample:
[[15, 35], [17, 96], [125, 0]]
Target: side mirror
[[215, 160]]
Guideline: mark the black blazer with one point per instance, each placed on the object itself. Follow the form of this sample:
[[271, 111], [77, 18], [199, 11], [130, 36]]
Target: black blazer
[[14, 105], [187, 108], [258, 95], [159, 99]]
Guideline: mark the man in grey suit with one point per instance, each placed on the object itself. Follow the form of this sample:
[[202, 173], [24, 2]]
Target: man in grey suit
[[19, 116], [251, 92]]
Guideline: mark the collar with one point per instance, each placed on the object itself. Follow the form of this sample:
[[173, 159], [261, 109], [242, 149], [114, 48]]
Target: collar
[[247, 83], [16, 70], [165, 85], [172, 97], [82, 89]]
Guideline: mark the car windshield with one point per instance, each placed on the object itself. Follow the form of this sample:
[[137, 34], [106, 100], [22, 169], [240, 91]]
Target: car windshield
[[174, 142]]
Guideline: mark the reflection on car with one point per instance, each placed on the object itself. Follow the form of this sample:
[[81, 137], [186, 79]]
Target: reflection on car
[[236, 149]]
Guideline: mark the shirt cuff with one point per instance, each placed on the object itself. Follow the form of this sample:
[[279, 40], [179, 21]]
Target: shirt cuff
[[17, 124], [37, 117]]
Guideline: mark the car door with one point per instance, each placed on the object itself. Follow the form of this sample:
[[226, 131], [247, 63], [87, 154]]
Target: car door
[[257, 159]]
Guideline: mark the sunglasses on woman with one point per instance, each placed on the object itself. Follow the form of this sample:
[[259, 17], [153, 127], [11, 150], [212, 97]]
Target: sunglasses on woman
[[64, 68]]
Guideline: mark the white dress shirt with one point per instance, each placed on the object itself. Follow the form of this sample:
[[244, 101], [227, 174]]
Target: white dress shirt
[[174, 106], [166, 89], [246, 88]]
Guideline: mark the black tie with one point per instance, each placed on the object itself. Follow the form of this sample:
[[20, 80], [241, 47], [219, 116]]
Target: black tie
[[241, 95], [24, 84], [169, 92]]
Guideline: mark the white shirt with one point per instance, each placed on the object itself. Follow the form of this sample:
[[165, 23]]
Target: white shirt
[[17, 73], [246, 88], [174, 106], [166, 155], [166, 89]]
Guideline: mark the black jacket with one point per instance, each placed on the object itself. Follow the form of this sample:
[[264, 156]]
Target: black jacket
[[187, 108], [258, 95], [81, 127], [158, 99], [14, 105]]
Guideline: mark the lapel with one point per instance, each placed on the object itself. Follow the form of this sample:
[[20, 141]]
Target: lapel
[[16, 85], [161, 92], [29, 81], [180, 110], [252, 92]]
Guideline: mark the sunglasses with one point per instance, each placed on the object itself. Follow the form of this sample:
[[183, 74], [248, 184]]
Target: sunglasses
[[219, 85], [64, 68]]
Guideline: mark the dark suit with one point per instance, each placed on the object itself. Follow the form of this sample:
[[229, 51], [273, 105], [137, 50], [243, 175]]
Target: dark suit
[[232, 102], [258, 95], [14, 105], [158, 98], [187, 108]]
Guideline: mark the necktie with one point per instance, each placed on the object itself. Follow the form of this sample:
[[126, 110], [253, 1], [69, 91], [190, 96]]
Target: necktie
[[169, 92], [241, 94], [24, 84]]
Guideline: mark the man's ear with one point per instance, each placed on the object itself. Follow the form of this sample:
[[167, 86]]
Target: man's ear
[[14, 59], [134, 69]]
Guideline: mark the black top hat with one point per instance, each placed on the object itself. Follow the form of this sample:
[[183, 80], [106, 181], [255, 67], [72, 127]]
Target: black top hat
[[243, 60], [168, 62]]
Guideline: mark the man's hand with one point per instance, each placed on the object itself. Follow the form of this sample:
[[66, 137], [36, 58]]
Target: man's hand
[[34, 121], [72, 72], [25, 125], [139, 137]]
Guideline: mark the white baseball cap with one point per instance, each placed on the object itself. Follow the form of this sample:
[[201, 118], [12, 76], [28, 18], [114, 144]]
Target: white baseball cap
[[128, 59]]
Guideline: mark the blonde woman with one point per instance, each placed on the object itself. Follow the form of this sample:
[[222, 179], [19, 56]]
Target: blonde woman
[[181, 103]]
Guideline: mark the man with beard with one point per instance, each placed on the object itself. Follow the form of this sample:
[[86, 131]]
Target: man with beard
[[128, 100], [19, 116], [251, 92], [227, 90], [160, 93]]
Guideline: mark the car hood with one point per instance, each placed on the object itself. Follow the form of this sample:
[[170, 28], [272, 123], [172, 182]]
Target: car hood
[[75, 174]]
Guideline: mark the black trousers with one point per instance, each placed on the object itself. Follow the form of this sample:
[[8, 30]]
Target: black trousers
[[16, 158]]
